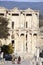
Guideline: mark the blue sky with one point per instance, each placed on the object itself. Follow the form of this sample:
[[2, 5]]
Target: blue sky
[[24, 0]]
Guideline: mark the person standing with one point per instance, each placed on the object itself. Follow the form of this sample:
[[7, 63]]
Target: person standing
[[19, 60]]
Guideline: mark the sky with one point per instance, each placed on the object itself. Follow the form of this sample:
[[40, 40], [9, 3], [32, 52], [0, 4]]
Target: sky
[[24, 0]]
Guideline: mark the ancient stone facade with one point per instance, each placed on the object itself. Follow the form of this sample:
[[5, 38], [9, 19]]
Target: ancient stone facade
[[24, 29]]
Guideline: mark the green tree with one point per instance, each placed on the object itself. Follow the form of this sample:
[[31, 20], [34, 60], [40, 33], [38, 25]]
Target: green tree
[[4, 49], [10, 49], [7, 49], [4, 28]]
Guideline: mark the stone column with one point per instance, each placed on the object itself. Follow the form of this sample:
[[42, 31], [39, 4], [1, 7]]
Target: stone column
[[37, 53], [24, 43], [25, 21], [29, 43]]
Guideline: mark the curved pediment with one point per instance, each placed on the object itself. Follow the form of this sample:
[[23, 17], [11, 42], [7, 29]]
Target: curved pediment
[[29, 9]]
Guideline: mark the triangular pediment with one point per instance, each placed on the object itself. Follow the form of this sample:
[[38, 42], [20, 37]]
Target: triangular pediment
[[15, 9], [3, 8]]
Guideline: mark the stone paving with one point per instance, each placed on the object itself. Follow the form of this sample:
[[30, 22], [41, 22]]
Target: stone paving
[[25, 62]]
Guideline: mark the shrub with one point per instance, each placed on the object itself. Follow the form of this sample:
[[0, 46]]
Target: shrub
[[7, 49]]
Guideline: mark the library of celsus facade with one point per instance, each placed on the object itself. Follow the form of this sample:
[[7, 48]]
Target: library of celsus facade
[[24, 29]]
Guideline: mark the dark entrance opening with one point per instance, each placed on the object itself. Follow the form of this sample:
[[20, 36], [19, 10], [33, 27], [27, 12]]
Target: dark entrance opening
[[41, 54], [12, 42]]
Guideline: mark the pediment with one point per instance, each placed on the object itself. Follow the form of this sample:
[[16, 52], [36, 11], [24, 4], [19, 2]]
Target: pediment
[[3, 8], [29, 9], [15, 9]]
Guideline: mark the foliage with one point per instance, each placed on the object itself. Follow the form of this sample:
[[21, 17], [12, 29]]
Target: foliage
[[10, 49], [7, 49], [4, 28]]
